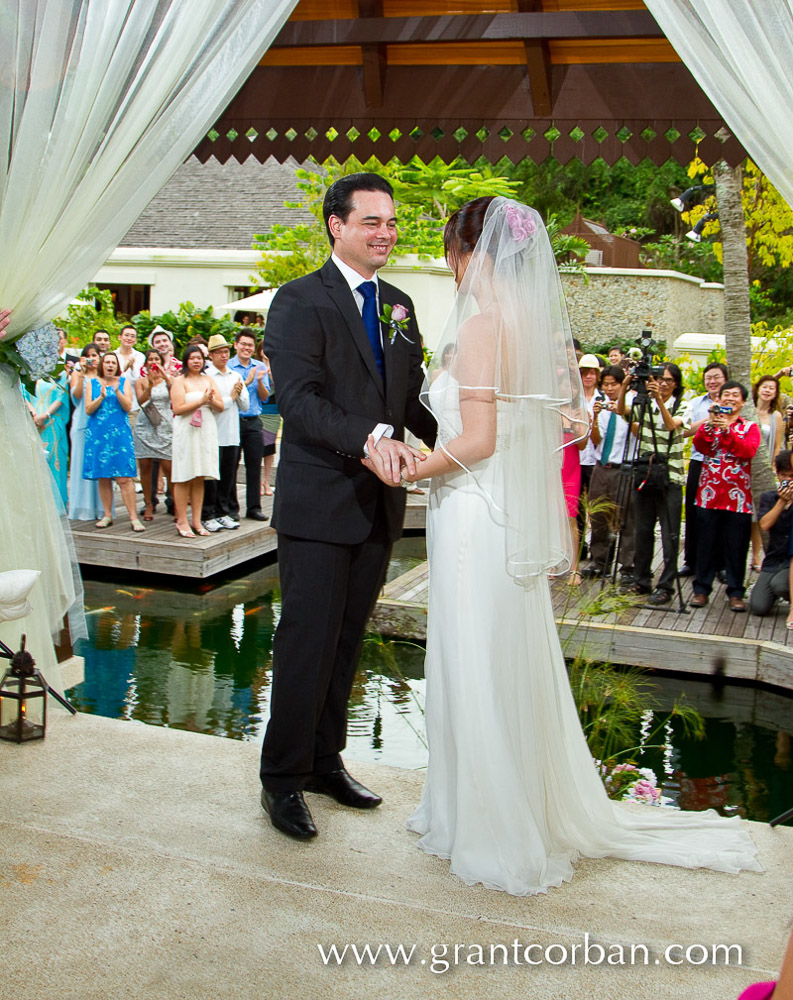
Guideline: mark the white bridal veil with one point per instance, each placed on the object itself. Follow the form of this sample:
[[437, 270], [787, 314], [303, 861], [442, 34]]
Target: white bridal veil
[[509, 336]]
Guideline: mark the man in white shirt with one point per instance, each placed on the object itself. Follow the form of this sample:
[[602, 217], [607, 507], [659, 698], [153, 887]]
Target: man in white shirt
[[609, 492], [129, 358], [219, 493]]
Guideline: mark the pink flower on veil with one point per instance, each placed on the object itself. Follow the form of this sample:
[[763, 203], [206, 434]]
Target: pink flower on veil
[[520, 223]]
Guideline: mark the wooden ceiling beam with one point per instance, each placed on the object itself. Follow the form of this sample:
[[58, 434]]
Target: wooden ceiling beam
[[538, 63], [374, 57], [536, 25]]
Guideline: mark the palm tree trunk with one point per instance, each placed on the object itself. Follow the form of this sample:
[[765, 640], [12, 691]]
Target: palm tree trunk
[[737, 316], [737, 322]]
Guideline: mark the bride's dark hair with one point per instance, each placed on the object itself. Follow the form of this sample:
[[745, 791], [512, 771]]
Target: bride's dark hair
[[464, 229]]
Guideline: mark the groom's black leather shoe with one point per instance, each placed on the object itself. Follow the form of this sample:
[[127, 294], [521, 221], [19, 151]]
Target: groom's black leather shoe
[[344, 789], [289, 813]]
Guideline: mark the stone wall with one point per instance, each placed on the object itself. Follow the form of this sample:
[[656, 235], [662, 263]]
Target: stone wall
[[620, 303]]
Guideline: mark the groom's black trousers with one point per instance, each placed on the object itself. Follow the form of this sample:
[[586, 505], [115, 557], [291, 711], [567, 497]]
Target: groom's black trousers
[[328, 592]]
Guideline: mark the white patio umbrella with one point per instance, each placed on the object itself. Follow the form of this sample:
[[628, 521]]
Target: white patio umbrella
[[259, 303]]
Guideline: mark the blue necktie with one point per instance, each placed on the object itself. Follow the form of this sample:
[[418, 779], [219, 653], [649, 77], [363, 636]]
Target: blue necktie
[[609, 440], [369, 313]]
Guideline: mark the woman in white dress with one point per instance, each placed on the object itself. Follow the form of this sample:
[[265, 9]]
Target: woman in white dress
[[195, 400], [512, 796]]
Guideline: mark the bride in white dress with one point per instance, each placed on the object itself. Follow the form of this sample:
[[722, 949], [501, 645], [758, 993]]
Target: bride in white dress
[[512, 796]]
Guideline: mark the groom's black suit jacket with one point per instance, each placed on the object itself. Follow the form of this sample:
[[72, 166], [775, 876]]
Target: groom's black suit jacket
[[331, 396]]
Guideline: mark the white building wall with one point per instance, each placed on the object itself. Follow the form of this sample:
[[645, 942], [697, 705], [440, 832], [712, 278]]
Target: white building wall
[[204, 277]]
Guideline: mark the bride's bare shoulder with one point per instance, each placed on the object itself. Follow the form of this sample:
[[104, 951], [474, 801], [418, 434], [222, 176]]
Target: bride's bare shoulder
[[478, 329]]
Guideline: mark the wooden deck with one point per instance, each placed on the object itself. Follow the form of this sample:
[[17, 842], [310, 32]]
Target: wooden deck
[[601, 624], [159, 549], [593, 621]]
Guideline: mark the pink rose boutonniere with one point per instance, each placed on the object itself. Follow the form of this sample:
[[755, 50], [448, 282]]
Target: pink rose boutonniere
[[397, 319]]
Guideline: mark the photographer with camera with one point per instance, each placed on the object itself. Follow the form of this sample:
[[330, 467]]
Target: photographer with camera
[[724, 496], [659, 477], [775, 515], [714, 376], [609, 434]]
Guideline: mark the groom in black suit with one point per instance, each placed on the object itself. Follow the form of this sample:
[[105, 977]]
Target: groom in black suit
[[340, 376]]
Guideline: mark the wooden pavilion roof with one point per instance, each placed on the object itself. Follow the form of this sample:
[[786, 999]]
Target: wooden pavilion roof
[[517, 78]]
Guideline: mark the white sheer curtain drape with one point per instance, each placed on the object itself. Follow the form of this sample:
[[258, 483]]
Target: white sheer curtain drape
[[741, 54], [100, 101]]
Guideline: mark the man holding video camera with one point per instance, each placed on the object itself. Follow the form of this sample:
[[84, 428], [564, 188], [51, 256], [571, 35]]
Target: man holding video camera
[[724, 497], [657, 420]]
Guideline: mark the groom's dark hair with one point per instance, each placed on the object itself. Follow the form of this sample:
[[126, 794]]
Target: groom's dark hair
[[340, 195]]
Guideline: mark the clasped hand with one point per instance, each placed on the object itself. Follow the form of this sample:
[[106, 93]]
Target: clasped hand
[[389, 460]]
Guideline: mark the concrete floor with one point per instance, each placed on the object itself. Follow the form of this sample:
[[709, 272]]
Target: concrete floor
[[136, 862]]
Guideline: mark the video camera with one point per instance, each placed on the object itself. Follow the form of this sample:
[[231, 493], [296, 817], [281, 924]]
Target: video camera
[[643, 368]]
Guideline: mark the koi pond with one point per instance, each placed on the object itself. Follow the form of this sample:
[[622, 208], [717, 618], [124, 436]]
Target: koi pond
[[199, 658]]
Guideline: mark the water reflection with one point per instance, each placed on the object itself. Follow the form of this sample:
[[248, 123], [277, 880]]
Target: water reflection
[[200, 659]]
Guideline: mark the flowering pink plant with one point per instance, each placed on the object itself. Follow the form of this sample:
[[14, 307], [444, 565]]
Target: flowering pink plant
[[397, 319], [520, 223], [645, 791], [631, 783]]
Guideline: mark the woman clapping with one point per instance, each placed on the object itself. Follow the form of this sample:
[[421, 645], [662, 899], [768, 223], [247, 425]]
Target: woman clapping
[[195, 399], [154, 428], [109, 452]]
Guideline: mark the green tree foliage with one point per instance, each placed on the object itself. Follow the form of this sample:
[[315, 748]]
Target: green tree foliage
[[671, 253], [569, 251], [186, 322], [92, 310], [769, 242], [626, 197], [426, 195], [621, 196]]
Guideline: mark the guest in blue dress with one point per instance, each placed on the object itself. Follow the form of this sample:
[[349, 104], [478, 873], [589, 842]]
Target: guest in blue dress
[[49, 408], [84, 502], [109, 451]]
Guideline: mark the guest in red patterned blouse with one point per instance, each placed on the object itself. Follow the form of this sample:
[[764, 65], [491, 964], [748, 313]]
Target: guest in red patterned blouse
[[724, 496]]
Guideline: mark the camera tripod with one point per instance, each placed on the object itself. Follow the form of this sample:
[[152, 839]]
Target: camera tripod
[[641, 416]]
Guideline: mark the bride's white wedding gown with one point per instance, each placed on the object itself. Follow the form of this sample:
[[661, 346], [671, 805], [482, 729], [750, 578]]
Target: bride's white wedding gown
[[512, 796]]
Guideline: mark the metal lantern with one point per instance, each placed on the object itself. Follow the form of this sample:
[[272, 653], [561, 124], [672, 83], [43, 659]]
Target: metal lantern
[[23, 691]]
